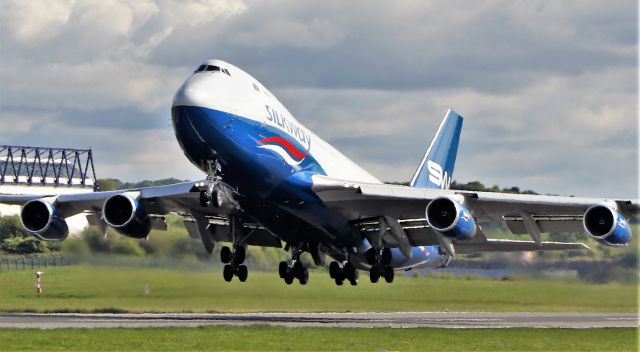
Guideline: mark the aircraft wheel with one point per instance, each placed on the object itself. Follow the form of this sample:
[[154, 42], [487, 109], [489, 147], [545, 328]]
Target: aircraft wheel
[[243, 273], [349, 270], [227, 273], [282, 269], [388, 274], [298, 269], [386, 257], [226, 255], [334, 268], [339, 276], [204, 200], [288, 279], [374, 274], [354, 278], [240, 255], [304, 278]]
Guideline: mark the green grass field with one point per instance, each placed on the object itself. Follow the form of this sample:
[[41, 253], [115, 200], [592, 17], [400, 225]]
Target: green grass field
[[318, 339], [91, 289]]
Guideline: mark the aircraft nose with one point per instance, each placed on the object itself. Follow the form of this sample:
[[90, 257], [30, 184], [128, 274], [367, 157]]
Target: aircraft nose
[[193, 92]]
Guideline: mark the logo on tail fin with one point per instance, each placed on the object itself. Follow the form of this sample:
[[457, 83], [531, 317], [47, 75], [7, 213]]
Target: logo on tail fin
[[437, 176]]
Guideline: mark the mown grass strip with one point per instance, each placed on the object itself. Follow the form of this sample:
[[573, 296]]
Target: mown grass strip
[[260, 338]]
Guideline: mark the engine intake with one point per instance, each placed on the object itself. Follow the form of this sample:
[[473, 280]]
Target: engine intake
[[42, 220], [124, 213], [606, 225], [451, 219]]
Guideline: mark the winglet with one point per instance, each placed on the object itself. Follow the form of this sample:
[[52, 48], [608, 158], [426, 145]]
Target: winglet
[[436, 167]]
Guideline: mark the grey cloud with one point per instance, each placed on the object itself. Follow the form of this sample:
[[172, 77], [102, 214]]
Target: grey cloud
[[548, 88]]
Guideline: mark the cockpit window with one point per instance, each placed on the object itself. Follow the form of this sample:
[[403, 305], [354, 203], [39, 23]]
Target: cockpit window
[[211, 68]]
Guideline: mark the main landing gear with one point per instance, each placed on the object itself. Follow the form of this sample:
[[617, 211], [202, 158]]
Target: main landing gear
[[295, 271], [347, 272], [233, 260], [380, 261]]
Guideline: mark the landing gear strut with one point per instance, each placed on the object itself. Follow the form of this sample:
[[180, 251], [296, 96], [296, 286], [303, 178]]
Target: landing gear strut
[[380, 261], [234, 258], [295, 271]]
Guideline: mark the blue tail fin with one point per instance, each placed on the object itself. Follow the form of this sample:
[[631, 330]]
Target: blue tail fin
[[436, 168]]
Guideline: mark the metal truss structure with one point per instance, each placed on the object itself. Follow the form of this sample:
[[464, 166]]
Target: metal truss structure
[[42, 166]]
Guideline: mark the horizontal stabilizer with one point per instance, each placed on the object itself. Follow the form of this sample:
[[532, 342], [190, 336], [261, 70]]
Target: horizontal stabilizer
[[516, 246]]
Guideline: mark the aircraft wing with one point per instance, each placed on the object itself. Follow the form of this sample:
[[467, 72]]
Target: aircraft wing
[[365, 202], [361, 200], [158, 200], [209, 224]]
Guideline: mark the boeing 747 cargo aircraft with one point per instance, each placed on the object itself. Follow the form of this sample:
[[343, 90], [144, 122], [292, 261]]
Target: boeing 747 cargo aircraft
[[272, 182]]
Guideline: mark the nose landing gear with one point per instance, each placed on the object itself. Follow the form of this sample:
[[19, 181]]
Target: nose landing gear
[[213, 194]]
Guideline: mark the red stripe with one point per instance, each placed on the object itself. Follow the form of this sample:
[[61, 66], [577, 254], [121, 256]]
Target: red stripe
[[285, 143]]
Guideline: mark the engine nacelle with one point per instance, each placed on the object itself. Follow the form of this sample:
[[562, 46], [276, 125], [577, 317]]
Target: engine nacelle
[[450, 218], [606, 225], [124, 213], [42, 220]]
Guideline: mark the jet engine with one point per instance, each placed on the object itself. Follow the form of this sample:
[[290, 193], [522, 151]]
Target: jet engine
[[124, 213], [450, 218], [41, 219], [606, 225]]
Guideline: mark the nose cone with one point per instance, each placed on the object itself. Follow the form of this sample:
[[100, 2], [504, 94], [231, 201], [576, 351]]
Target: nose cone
[[196, 91]]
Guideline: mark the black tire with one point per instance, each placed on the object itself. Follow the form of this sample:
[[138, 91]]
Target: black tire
[[374, 274], [334, 268], [386, 257], [339, 277], [298, 269], [288, 279], [304, 278], [388, 274], [226, 255], [242, 273], [227, 273], [354, 278], [349, 270], [240, 255], [283, 268], [372, 256], [204, 200]]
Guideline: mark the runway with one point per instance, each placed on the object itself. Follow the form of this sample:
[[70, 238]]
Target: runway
[[472, 320]]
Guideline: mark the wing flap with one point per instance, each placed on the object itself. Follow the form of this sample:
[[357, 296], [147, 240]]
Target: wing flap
[[516, 246]]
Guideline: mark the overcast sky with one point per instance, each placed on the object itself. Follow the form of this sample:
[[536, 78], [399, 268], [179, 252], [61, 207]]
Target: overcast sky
[[548, 89]]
